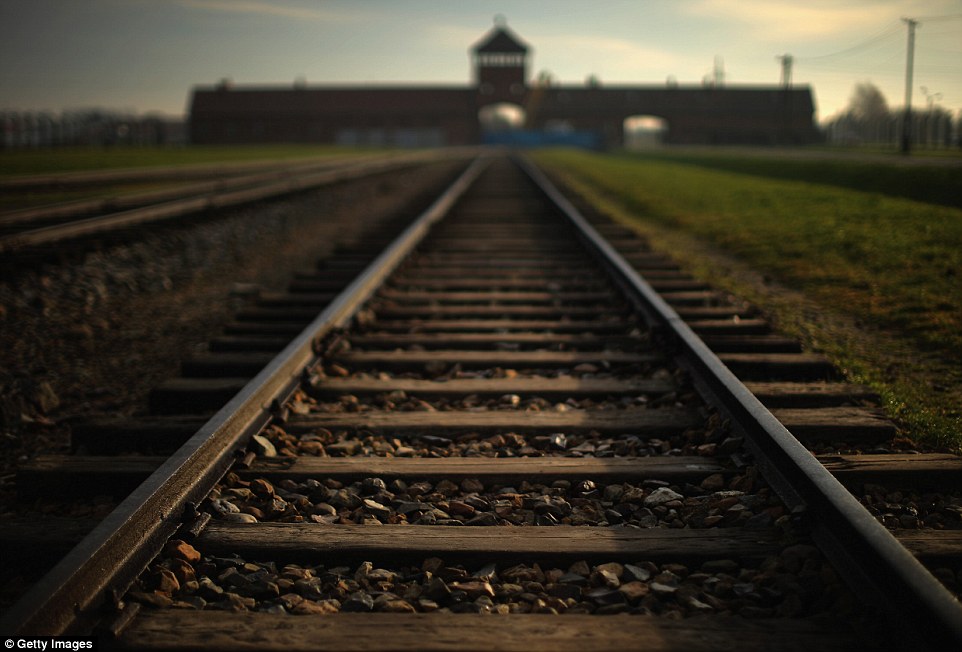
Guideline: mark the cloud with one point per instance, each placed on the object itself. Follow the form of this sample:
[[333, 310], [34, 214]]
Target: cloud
[[610, 57], [454, 36], [778, 20], [605, 48], [266, 8]]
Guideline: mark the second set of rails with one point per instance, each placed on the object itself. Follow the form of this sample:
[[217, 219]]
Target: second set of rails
[[197, 190], [502, 415]]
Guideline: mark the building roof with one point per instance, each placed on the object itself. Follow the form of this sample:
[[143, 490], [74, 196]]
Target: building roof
[[500, 39], [359, 99], [746, 99]]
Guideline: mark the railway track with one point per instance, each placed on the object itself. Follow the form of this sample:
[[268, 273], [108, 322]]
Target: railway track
[[45, 227], [499, 415], [174, 173]]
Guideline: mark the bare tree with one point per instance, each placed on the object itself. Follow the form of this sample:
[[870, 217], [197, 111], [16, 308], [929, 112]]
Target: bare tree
[[867, 119], [868, 103]]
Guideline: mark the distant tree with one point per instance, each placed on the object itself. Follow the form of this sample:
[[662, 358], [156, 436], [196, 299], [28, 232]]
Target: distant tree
[[866, 119], [545, 78], [868, 103], [935, 127]]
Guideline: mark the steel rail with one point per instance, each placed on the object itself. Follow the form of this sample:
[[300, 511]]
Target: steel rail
[[72, 597], [864, 553], [179, 208], [190, 171], [24, 216]]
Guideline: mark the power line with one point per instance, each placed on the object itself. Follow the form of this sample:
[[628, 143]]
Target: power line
[[857, 66], [945, 17], [886, 33], [942, 51]]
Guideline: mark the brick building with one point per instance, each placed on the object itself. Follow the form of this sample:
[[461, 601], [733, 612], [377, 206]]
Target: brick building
[[427, 116]]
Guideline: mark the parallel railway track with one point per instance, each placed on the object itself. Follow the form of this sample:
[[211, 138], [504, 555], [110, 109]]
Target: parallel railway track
[[501, 415], [40, 228]]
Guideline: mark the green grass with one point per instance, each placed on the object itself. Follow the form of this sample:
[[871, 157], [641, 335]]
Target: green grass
[[891, 151], [23, 162], [922, 179], [892, 265]]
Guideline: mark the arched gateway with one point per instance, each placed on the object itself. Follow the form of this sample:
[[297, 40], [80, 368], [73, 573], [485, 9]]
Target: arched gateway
[[428, 116]]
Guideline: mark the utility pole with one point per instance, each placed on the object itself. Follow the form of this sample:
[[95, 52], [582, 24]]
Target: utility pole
[[907, 120]]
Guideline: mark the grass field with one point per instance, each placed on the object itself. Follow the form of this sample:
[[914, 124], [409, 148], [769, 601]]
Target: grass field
[[927, 178], [46, 161], [889, 265]]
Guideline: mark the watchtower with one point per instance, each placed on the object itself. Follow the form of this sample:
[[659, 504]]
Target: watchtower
[[500, 65]]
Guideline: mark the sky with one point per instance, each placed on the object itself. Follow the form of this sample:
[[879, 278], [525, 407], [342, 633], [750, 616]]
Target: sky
[[144, 56]]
